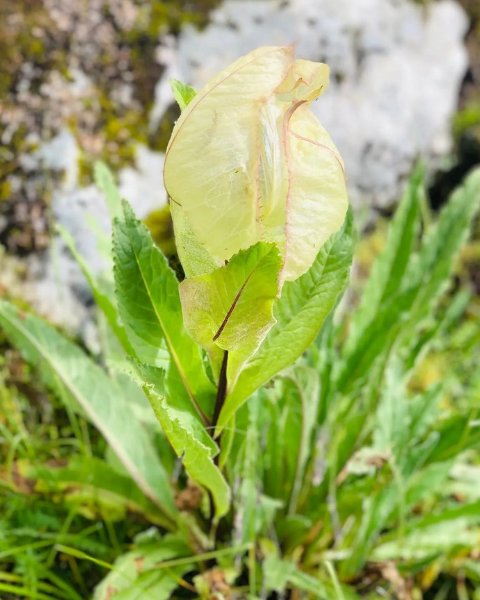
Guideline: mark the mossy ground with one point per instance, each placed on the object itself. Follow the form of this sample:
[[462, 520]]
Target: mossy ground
[[47, 48]]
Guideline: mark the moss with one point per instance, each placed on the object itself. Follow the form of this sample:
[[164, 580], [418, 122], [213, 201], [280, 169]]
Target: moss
[[24, 47], [160, 15], [32, 47], [159, 222], [122, 129], [22, 42], [5, 191], [18, 145], [467, 120]]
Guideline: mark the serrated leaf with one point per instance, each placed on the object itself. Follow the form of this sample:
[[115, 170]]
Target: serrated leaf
[[231, 308], [188, 437], [300, 313], [182, 92], [389, 268], [149, 303], [70, 372]]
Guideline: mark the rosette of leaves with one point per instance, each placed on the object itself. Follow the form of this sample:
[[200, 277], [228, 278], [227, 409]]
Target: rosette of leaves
[[259, 284], [257, 187]]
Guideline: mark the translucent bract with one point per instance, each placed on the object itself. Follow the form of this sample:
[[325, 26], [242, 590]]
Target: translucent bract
[[248, 161]]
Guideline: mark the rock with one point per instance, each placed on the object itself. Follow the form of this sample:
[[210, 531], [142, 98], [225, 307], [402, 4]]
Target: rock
[[60, 154], [52, 282], [396, 68], [47, 283], [142, 186]]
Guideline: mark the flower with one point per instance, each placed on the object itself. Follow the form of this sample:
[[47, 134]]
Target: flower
[[248, 161]]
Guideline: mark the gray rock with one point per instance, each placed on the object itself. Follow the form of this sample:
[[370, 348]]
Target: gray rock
[[142, 186], [53, 283]]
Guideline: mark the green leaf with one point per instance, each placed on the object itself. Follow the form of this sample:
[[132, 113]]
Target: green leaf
[[392, 428], [405, 309], [463, 482], [281, 423], [231, 308], [280, 574], [431, 270], [434, 535], [105, 181], [290, 408], [389, 268], [374, 344], [74, 376], [187, 435], [307, 392], [300, 313], [410, 287], [435, 329], [182, 92], [376, 510], [149, 303], [426, 484], [138, 575], [94, 481], [247, 505]]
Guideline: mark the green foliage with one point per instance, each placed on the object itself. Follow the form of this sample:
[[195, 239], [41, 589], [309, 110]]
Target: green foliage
[[137, 576], [53, 491], [300, 313], [190, 441], [231, 309], [332, 470], [83, 385], [148, 300]]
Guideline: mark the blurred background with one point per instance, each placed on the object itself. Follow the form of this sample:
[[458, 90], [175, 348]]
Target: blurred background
[[89, 79]]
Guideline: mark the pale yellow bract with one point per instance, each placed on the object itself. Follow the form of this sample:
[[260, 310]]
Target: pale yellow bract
[[248, 161]]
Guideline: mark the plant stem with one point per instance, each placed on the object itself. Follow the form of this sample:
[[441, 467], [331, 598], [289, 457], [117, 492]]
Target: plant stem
[[221, 391]]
